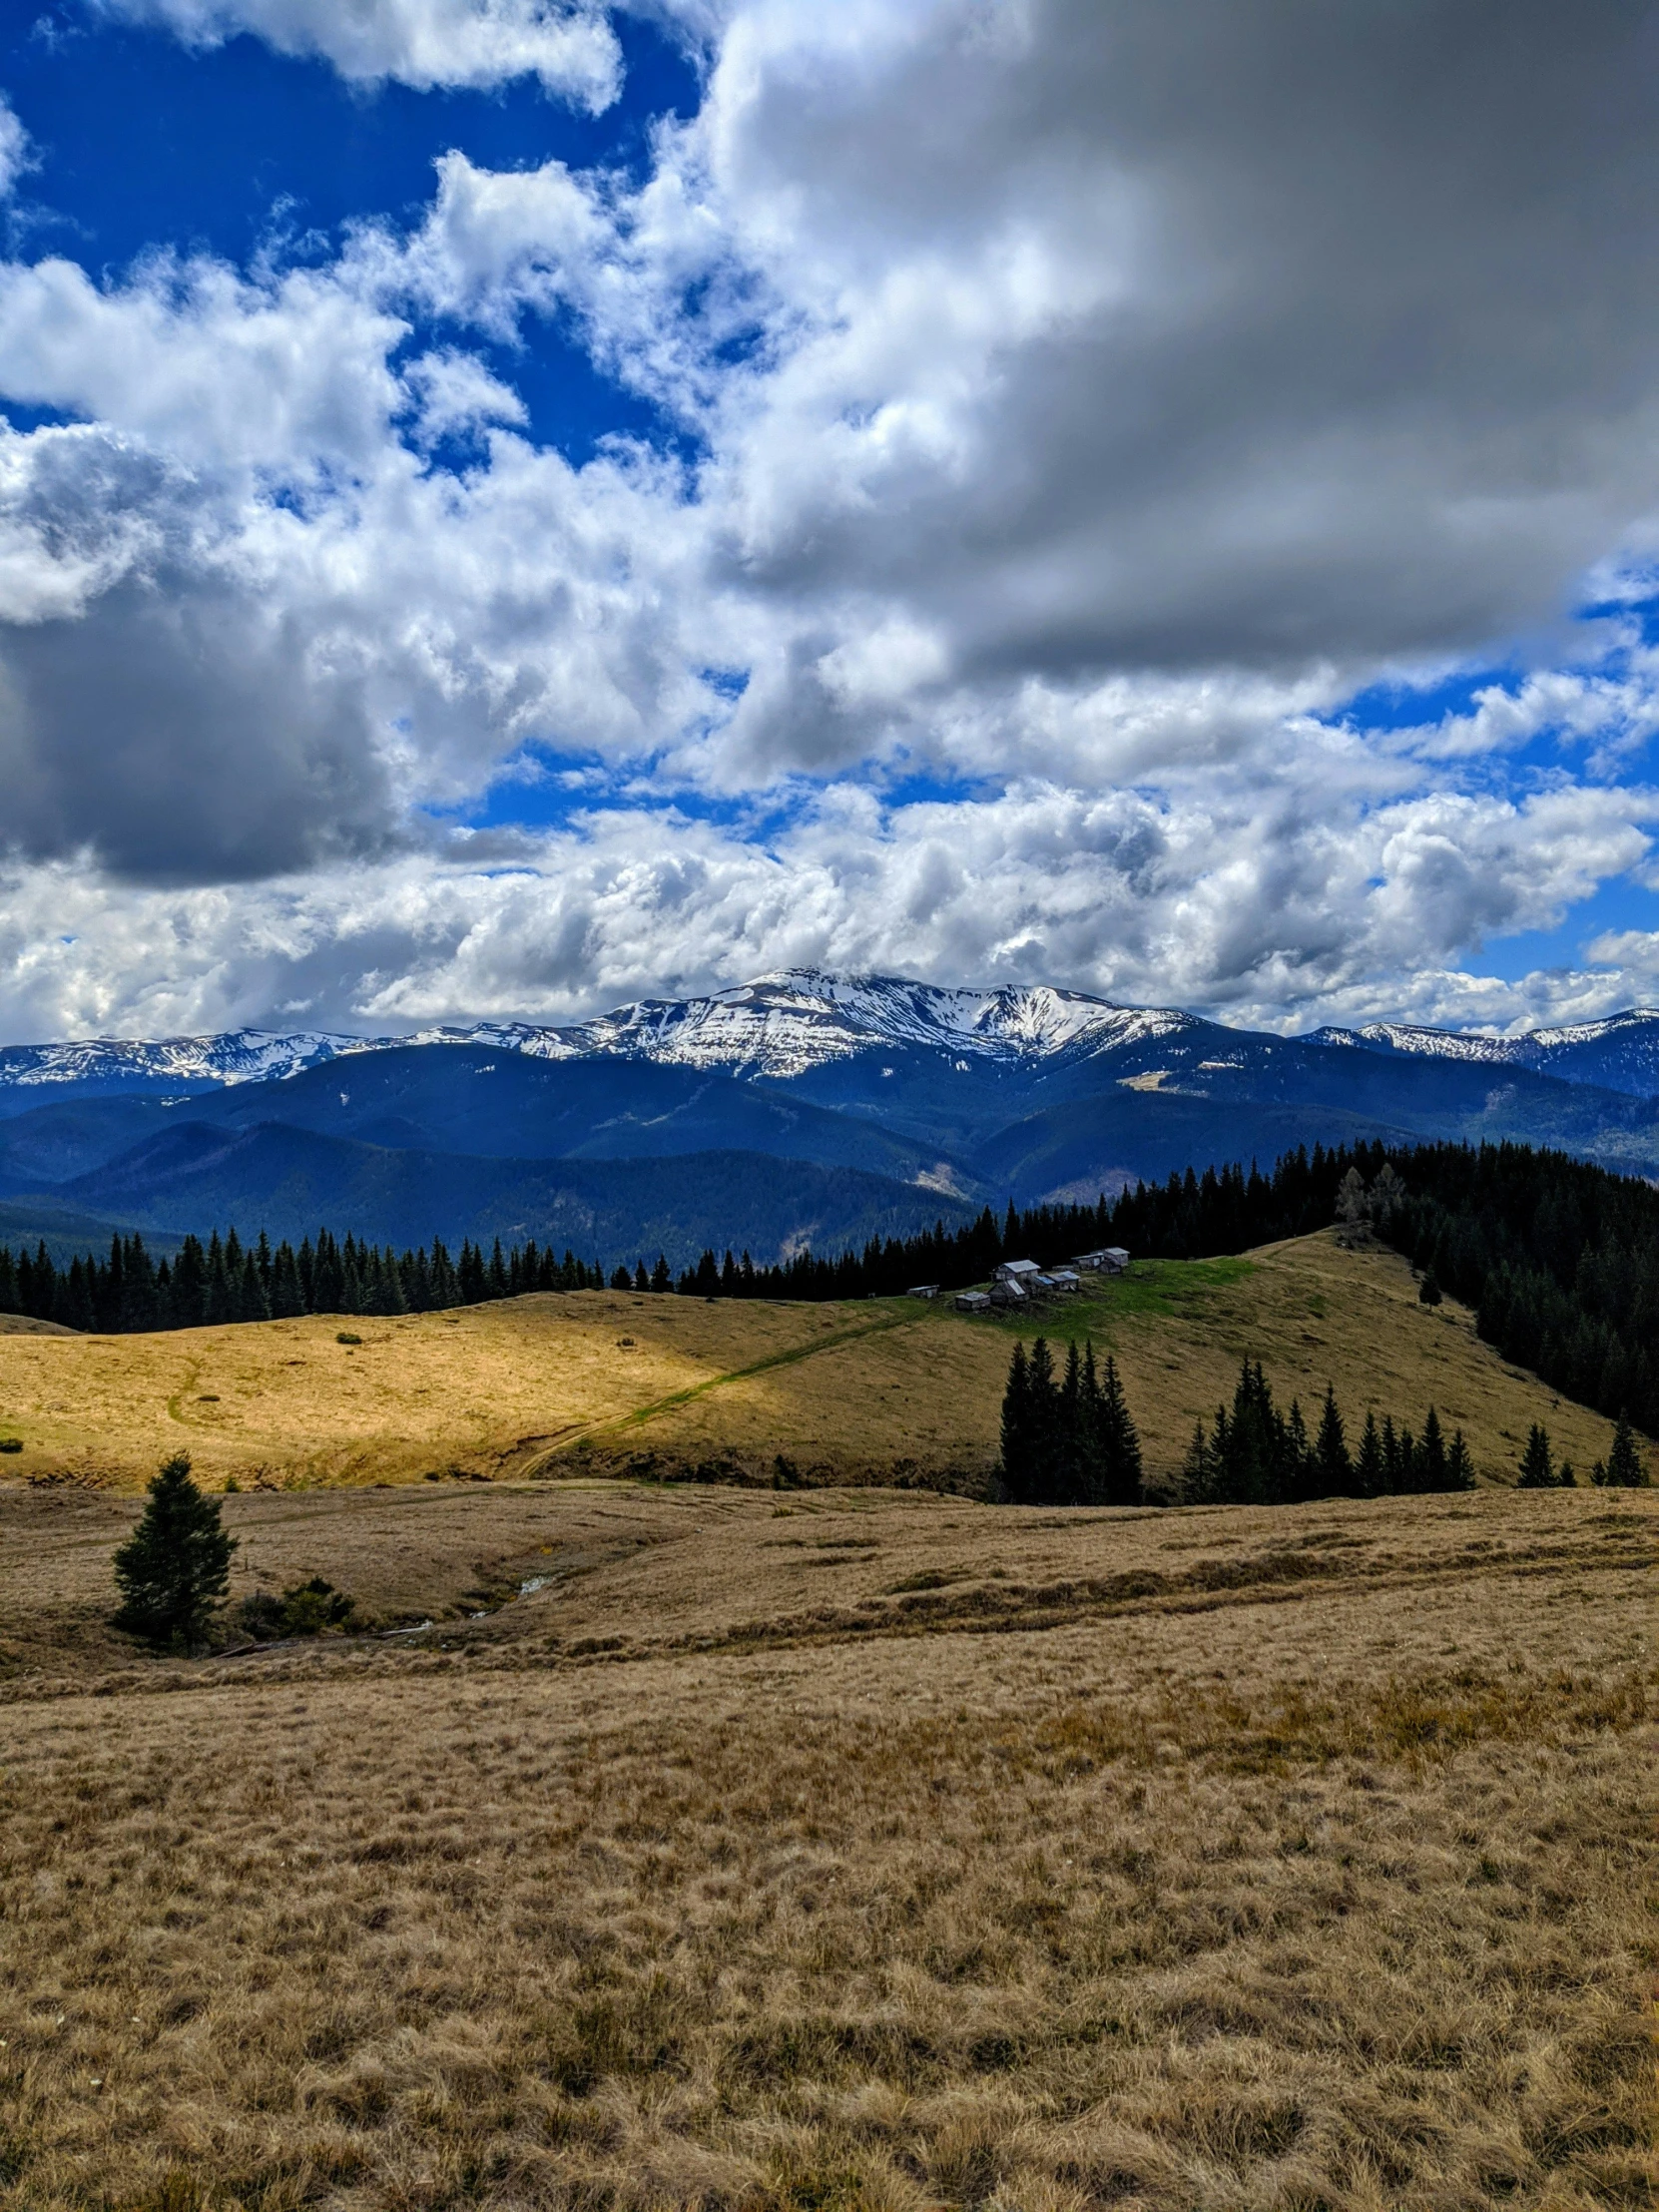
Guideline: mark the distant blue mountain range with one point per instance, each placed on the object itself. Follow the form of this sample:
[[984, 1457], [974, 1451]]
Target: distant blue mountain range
[[800, 1108]]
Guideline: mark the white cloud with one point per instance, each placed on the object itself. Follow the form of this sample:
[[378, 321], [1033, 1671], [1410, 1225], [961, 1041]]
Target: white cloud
[[1072, 427], [423, 43], [1252, 904], [16, 153]]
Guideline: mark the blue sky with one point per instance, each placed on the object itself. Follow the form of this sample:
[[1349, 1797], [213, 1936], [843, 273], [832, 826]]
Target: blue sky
[[511, 506]]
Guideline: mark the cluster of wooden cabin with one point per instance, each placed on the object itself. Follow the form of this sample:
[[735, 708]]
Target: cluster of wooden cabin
[[1021, 1283]]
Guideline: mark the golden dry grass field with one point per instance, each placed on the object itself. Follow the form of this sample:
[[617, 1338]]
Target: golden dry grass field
[[884, 1390], [858, 1850]]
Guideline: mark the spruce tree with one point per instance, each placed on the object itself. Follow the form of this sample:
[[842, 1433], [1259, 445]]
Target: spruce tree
[[1332, 1469], [1624, 1469], [1430, 1468], [1537, 1467], [1198, 1469], [1117, 1470], [1042, 1423], [174, 1567], [1017, 1421], [1068, 1480], [1459, 1467], [1369, 1473]]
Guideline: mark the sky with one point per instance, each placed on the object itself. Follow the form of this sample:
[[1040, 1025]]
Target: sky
[[511, 506]]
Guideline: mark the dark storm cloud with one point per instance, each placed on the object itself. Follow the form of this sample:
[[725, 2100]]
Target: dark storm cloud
[[1373, 365], [170, 738]]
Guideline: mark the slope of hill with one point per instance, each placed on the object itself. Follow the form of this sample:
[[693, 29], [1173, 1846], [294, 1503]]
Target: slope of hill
[[879, 1388], [485, 1102], [289, 1180]]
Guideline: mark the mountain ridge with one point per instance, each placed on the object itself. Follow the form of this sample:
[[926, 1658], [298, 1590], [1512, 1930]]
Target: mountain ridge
[[791, 1020]]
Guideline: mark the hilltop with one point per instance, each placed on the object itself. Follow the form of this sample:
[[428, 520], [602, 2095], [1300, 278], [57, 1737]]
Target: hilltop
[[877, 1390]]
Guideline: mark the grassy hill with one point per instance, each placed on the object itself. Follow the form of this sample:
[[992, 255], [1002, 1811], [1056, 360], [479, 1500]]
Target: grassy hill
[[878, 1390], [1282, 1859]]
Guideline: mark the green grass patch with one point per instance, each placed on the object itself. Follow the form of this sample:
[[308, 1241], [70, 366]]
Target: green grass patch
[[1178, 1289]]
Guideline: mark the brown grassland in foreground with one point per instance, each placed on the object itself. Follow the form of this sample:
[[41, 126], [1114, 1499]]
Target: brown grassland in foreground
[[884, 1391], [858, 1850]]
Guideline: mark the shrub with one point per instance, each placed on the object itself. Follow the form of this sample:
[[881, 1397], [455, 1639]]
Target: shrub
[[305, 1609]]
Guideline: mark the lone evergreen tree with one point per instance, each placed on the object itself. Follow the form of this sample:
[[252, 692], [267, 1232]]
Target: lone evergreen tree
[[1429, 1290], [174, 1567]]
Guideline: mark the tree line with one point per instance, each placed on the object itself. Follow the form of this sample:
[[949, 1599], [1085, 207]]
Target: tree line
[[228, 1281], [1192, 1216], [225, 1279], [1256, 1454], [1070, 1441]]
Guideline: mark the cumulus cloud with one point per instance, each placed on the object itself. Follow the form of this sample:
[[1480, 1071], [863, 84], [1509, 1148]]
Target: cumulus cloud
[[1247, 903], [422, 43], [1075, 404]]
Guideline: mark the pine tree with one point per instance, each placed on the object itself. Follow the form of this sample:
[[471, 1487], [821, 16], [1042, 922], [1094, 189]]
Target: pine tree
[[661, 1280], [1332, 1469], [188, 1288], [1370, 1471], [1537, 1467], [216, 1306], [1429, 1290], [1110, 1445], [622, 1279], [1198, 1469], [1459, 1467], [1016, 1424], [1430, 1469], [174, 1567], [1624, 1469], [1067, 1481]]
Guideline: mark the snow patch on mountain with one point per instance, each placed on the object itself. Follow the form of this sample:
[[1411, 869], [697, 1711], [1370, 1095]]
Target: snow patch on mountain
[[240, 1056], [1442, 1044]]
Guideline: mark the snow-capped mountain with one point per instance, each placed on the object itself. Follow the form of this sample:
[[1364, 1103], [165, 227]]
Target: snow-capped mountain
[[1620, 1053], [800, 1018], [239, 1056], [779, 1025], [794, 1022]]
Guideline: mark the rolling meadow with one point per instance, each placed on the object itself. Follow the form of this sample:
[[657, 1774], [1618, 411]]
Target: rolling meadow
[[837, 1846]]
